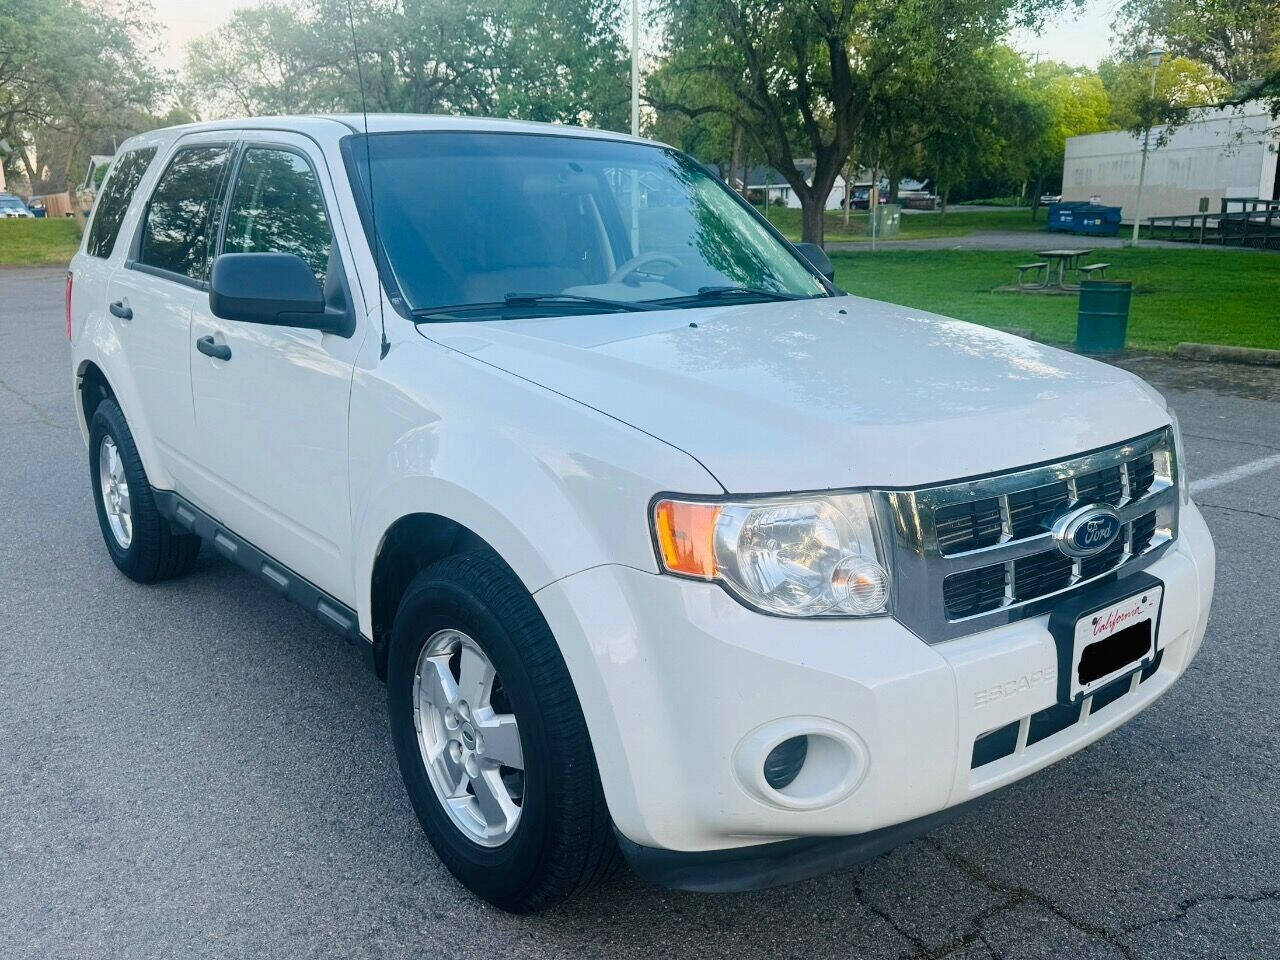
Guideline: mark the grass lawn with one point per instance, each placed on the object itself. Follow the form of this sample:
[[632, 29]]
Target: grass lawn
[[35, 242], [1201, 296], [915, 226]]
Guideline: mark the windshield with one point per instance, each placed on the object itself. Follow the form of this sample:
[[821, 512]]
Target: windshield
[[471, 220]]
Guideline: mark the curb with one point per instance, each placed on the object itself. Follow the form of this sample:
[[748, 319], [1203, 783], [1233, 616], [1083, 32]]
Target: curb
[[1212, 352]]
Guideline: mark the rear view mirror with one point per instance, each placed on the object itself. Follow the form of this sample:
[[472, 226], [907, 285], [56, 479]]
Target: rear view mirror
[[272, 288], [818, 257]]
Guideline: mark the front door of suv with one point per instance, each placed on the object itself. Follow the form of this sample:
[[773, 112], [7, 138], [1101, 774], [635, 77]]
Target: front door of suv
[[272, 416]]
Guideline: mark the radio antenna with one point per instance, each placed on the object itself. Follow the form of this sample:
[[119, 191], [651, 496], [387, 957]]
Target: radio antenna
[[368, 162]]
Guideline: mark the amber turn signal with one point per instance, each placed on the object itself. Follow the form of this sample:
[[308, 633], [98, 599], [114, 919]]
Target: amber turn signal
[[686, 537]]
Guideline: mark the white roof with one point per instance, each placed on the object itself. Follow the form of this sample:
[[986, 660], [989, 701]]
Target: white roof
[[324, 125]]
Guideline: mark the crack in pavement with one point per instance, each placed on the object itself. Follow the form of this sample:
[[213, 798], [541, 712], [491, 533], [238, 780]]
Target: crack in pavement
[[43, 415], [1024, 896], [1245, 443], [1186, 906], [1223, 506], [1019, 896]]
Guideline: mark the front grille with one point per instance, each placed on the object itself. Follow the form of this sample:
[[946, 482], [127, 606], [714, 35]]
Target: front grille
[[974, 591], [1103, 486], [968, 526], [981, 551], [1032, 511], [1144, 528], [1040, 573]]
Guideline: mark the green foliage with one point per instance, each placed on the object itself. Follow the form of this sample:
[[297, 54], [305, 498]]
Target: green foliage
[[817, 78], [38, 242], [1194, 295], [552, 60], [1181, 84], [68, 71], [1238, 40]]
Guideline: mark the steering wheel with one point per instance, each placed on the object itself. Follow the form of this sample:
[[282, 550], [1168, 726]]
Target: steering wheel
[[635, 264]]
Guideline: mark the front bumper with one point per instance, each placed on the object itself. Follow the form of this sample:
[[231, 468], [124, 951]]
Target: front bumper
[[683, 690]]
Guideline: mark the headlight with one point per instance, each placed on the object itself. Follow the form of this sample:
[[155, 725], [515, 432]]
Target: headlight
[[797, 557]]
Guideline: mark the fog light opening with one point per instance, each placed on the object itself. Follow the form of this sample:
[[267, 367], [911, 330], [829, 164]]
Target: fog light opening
[[783, 764]]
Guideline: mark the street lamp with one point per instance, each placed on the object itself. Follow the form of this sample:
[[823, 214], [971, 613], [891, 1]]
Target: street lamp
[[1155, 55]]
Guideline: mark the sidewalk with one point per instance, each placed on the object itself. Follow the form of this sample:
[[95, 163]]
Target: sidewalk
[[1014, 240]]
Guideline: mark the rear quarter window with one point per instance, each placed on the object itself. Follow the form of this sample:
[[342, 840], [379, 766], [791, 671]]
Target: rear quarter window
[[113, 202]]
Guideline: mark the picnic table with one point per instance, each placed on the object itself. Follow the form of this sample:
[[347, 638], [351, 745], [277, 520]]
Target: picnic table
[[1066, 260]]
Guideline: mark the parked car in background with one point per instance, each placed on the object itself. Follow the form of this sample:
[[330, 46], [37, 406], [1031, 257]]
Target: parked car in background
[[860, 198], [666, 548], [12, 208], [1049, 198]]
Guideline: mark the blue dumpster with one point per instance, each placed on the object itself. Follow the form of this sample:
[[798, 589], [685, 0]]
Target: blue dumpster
[[1062, 216], [1095, 220]]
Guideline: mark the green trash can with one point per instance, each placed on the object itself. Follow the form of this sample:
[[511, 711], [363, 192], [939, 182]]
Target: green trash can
[[1103, 321]]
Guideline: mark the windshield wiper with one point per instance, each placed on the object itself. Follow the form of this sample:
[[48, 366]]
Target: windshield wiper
[[709, 294], [520, 299], [511, 300]]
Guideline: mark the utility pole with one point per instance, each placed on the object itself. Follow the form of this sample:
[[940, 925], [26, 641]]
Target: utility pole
[[1155, 55], [635, 68]]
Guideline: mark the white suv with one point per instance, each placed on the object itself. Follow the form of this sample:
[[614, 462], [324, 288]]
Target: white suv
[[664, 545]]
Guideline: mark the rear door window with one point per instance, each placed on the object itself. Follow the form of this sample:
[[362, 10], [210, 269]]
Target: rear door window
[[177, 232], [277, 207], [113, 202]]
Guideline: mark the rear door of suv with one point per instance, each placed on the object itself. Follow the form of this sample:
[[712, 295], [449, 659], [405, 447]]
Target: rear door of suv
[[164, 276]]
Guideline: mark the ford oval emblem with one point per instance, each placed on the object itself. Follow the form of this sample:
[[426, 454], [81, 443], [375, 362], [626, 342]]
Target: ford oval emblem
[[1087, 530]]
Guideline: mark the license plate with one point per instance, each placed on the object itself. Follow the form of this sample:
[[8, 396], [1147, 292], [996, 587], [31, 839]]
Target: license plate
[[1115, 640]]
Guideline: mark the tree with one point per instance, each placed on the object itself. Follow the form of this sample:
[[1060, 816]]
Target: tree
[[806, 76], [1074, 102], [1181, 85], [987, 121], [1238, 40], [534, 59], [67, 72]]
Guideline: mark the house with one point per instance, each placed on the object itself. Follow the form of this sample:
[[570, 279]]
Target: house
[[1223, 153], [91, 176], [766, 185]]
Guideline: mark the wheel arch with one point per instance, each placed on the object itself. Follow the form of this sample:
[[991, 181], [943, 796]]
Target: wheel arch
[[409, 545], [93, 387]]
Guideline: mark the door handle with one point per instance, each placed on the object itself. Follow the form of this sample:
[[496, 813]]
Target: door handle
[[219, 351], [122, 310]]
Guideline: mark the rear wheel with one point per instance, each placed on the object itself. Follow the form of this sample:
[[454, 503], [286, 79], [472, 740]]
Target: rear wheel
[[491, 740], [142, 543]]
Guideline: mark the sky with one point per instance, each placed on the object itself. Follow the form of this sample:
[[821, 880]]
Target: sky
[[1080, 39]]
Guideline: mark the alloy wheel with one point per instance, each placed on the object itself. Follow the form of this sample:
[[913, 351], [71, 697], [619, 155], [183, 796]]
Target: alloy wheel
[[468, 738], [115, 492]]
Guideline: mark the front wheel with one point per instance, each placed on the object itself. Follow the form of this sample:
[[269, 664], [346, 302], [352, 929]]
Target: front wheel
[[491, 740]]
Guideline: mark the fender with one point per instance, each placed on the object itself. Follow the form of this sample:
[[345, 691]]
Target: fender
[[434, 431], [98, 344]]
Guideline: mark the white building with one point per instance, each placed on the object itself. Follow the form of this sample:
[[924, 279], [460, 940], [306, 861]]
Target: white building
[[772, 186], [1224, 153]]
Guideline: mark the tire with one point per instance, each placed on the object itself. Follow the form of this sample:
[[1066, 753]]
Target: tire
[[152, 550], [562, 842]]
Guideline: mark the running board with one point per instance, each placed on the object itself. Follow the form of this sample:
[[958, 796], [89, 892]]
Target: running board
[[330, 611]]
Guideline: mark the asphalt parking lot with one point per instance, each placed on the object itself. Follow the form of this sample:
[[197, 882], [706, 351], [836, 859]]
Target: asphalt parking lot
[[199, 769]]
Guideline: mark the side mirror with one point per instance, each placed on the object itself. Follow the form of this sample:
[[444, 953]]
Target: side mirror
[[818, 257], [271, 288]]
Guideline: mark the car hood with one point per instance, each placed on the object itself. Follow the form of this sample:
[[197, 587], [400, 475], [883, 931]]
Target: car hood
[[825, 393]]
